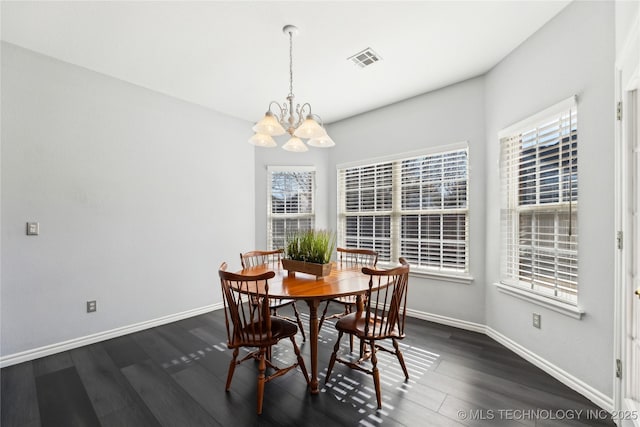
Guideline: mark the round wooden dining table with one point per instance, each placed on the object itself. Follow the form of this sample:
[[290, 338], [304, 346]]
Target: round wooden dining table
[[342, 281]]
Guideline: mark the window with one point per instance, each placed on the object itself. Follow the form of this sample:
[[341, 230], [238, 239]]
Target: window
[[367, 208], [539, 179], [290, 203], [414, 207]]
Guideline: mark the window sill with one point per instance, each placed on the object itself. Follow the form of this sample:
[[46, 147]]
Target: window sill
[[557, 306], [463, 278]]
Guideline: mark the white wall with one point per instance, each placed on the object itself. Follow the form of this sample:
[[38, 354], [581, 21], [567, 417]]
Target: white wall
[[265, 157], [139, 197], [627, 18], [572, 54], [626, 12], [442, 117]]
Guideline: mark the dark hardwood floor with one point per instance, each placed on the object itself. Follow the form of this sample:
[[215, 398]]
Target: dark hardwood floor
[[174, 375]]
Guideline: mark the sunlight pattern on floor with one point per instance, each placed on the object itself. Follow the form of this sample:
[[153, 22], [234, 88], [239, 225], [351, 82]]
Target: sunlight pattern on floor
[[350, 386], [357, 389]]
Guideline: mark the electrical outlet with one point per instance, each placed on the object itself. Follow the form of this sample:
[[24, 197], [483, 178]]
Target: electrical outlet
[[91, 306], [33, 229], [536, 320]]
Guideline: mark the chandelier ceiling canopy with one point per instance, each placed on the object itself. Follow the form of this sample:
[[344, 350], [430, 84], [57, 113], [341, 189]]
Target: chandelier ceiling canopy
[[300, 123]]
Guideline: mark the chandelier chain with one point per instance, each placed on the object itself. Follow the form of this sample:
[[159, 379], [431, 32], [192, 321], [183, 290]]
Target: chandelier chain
[[290, 63]]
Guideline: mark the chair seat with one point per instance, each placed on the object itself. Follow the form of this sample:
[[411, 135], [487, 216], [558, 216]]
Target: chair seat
[[280, 328], [277, 303], [354, 324]]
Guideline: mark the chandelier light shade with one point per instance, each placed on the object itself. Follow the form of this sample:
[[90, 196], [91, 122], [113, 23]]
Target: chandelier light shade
[[269, 125], [283, 118], [321, 142], [309, 129], [295, 144], [263, 140]]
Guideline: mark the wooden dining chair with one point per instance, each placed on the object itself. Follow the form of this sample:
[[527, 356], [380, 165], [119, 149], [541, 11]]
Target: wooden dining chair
[[383, 319], [349, 257], [273, 259], [247, 327]]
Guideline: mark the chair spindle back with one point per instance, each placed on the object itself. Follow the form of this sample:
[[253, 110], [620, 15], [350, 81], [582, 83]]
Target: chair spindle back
[[386, 301], [245, 325], [350, 257], [256, 258]]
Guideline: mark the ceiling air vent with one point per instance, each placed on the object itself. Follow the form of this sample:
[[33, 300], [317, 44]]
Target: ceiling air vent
[[365, 58]]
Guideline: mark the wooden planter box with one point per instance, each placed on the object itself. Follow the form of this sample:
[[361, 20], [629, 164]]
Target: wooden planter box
[[318, 270]]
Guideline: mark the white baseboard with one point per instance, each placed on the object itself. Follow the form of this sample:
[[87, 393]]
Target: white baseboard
[[597, 397], [449, 321], [24, 356]]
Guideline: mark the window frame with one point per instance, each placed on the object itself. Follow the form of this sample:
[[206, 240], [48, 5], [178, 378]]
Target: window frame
[[397, 212], [271, 170], [515, 204]]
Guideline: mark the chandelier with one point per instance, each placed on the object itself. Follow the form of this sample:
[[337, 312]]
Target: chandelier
[[282, 118]]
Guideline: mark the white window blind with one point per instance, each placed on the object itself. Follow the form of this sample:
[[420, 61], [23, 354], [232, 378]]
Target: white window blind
[[290, 203], [411, 207], [539, 213], [367, 200], [433, 218]]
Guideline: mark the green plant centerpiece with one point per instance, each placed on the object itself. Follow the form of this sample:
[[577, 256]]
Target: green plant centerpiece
[[309, 252]]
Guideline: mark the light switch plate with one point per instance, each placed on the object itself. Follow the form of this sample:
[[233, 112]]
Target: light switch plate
[[33, 228]]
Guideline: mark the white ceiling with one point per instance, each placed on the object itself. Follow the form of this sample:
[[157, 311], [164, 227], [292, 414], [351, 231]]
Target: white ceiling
[[232, 56]]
